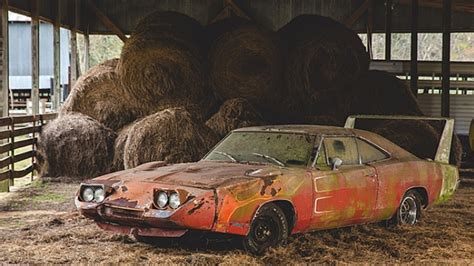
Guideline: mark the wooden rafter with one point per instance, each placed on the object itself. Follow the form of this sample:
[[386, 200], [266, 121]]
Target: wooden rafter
[[230, 9], [106, 20], [458, 5], [349, 22]]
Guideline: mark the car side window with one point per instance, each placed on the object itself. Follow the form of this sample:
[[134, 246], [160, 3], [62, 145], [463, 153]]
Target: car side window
[[369, 153], [321, 161], [344, 148]]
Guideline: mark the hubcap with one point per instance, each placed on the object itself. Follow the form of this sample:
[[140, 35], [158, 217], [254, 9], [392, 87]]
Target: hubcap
[[408, 211], [264, 231]]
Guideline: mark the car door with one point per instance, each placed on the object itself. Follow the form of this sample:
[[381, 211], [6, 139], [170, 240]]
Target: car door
[[346, 195]]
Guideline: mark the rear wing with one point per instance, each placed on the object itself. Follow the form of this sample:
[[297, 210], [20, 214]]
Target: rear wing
[[444, 146]]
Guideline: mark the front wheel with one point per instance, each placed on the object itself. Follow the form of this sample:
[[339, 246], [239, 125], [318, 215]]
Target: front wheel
[[409, 211], [268, 228]]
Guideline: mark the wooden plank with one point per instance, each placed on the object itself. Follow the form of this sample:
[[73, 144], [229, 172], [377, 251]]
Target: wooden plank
[[4, 162], [5, 134], [24, 143], [24, 119], [458, 5], [50, 116], [23, 172], [23, 156], [5, 121], [106, 21], [26, 130], [4, 148], [350, 21], [5, 175], [35, 56]]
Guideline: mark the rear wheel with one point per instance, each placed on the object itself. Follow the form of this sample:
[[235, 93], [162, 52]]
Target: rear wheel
[[269, 228], [409, 211]]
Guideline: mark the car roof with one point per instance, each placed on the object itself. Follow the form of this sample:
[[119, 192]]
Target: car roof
[[301, 129]]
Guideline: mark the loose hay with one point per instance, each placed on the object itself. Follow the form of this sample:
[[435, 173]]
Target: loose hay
[[119, 148], [321, 54], [99, 94], [415, 136], [75, 145], [171, 135], [246, 63], [233, 114], [382, 93]]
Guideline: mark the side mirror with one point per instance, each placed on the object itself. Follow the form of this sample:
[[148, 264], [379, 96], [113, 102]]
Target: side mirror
[[336, 163]]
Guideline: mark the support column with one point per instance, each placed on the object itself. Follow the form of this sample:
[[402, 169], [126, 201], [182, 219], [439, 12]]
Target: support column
[[414, 48], [35, 56], [388, 30], [5, 87], [74, 71], [87, 44], [446, 67], [56, 99], [370, 23]]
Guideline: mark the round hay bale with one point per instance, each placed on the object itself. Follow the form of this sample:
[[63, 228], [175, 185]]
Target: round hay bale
[[119, 148], [246, 63], [323, 120], [321, 54], [158, 72], [415, 136], [215, 30], [171, 135], [233, 114], [75, 145], [382, 93], [99, 94], [173, 27]]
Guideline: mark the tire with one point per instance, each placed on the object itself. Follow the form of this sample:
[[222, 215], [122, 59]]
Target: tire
[[268, 228], [409, 211]]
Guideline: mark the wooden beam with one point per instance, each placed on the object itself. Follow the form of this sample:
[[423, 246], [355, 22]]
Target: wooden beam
[[445, 65], [457, 5], [350, 21], [57, 57], [87, 43], [4, 59], [106, 21], [414, 48], [370, 26], [35, 56], [73, 41], [230, 9]]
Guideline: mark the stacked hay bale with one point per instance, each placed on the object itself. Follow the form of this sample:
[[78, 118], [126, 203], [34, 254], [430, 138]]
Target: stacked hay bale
[[162, 64], [99, 94], [233, 114], [245, 62], [380, 92], [75, 145], [322, 58], [171, 135]]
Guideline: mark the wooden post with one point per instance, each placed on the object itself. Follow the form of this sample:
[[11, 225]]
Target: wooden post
[[74, 71], [35, 56], [370, 23], [57, 58], [388, 30], [87, 62], [5, 87], [414, 48], [445, 66], [12, 153]]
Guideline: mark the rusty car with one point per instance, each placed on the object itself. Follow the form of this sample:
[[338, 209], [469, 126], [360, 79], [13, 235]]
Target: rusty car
[[266, 183]]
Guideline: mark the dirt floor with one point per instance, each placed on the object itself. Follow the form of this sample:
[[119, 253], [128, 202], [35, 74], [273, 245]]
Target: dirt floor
[[39, 224]]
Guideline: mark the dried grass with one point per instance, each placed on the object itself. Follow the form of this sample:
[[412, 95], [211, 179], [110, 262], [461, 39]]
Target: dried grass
[[99, 94], [171, 135], [75, 145]]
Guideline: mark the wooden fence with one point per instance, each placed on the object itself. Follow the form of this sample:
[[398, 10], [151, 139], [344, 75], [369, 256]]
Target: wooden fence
[[19, 132]]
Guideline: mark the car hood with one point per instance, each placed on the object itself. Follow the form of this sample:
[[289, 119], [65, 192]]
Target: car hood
[[202, 174]]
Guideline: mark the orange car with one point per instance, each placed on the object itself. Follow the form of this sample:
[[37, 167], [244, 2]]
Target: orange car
[[266, 183]]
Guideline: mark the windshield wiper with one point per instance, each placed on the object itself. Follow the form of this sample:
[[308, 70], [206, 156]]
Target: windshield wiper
[[266, 157], [228, 156]]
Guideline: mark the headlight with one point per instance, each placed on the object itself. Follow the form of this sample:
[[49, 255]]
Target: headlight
[[162, 199], [88, 194], [174, 200], [99, 195]]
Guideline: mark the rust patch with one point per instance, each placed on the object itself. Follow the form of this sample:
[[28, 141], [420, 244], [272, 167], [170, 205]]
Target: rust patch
[[124, 189], [123, 202], [267, 182], [197, 207]]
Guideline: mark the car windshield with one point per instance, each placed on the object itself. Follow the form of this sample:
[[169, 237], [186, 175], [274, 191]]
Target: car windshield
[[282, 149]]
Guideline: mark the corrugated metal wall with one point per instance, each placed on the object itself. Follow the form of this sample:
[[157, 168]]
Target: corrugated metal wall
[[462, 109]]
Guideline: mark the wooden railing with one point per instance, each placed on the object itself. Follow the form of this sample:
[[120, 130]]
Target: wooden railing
[[19, 132]]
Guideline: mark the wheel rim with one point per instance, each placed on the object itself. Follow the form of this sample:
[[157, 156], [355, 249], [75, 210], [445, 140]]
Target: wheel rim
[[408, 211], [265, 231]]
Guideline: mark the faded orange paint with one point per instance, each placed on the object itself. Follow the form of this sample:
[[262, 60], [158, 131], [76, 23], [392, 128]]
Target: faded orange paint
[[223, 196]]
